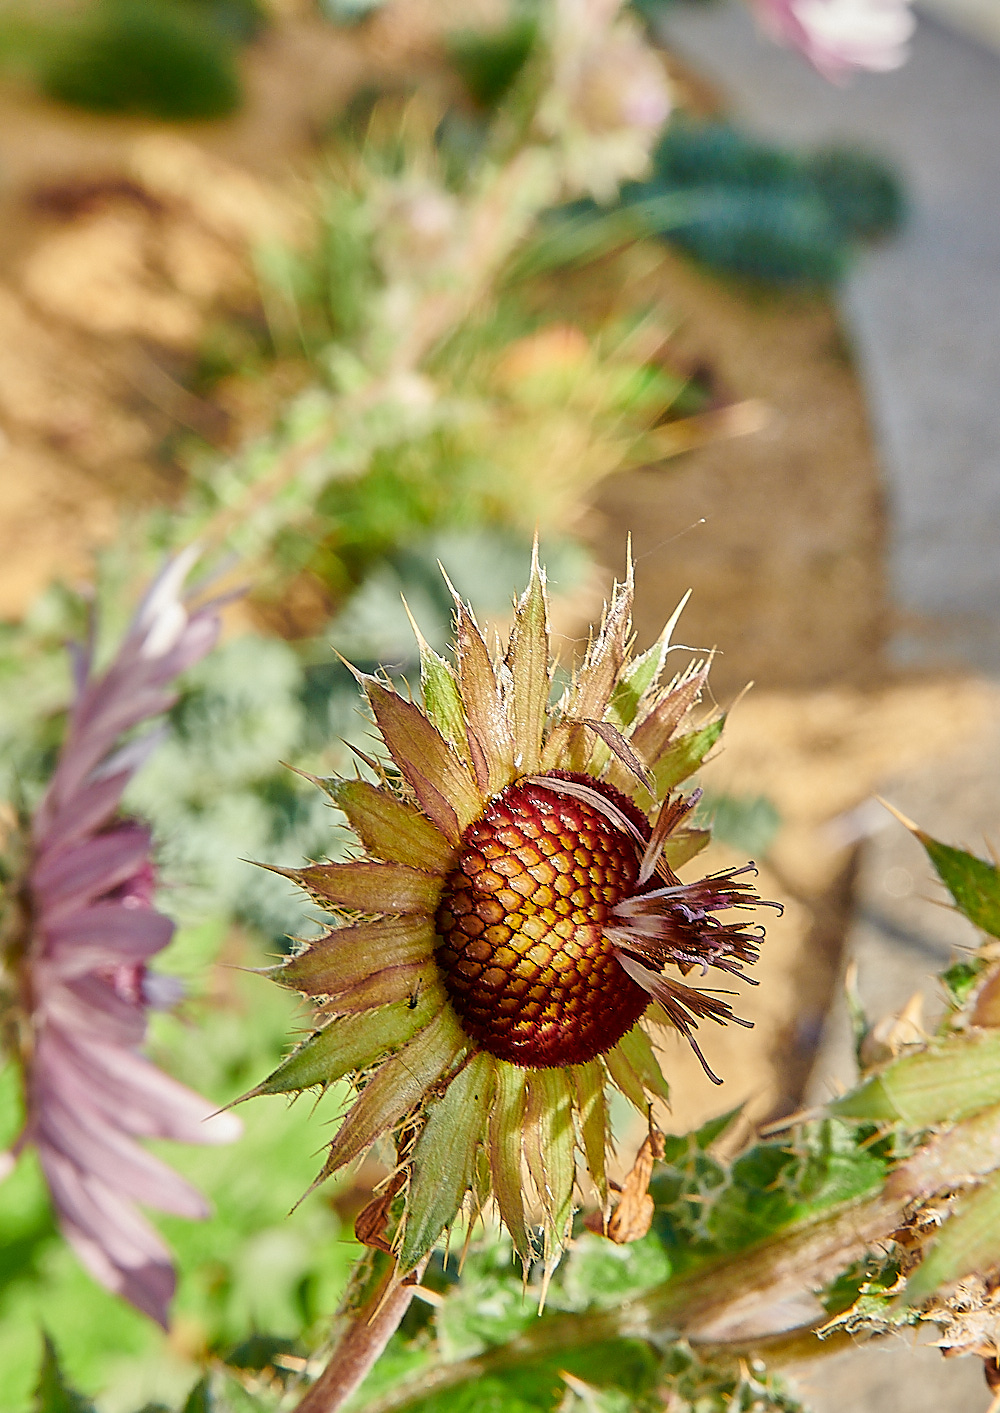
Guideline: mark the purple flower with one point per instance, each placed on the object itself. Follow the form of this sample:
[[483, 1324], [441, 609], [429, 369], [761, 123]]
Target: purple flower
[[838, 36], [89, 930]]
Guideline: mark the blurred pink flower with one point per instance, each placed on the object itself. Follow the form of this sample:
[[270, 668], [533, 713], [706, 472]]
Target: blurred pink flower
[[84, 983], [838, 36], [608, 98]]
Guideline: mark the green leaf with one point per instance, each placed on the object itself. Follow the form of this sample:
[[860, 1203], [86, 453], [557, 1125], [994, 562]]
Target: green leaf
[[972, 882], [549, 1142], [960, 980], [389, 828], [397, 1085], [528, 660], [351, 1043], [949, 1080], [715, 1128], [442, 699], [748, 822], [637, 1048], [639, 676], [445, 1156], [506, 1127], [621, 1071], [592, 1116], [200, 1399], [685, 756], [52, 1393], [969, 1241], [685, 845]]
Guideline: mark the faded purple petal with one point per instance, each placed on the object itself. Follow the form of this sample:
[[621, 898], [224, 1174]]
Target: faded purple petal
[[148, 1102], [91, 1093], [113, 1240], [117, 706], [77, 876], [92, 807], [161, 992], [105, 935], [94, 1145], [149, 1287], [156, 618], [92, 1006], [164, 639]]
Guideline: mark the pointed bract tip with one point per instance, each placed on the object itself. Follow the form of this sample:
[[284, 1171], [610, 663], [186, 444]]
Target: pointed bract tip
[[360, 677], [292, 873], [629, 582], [450, 586], [904, 820], [422, 642], [305, 774]]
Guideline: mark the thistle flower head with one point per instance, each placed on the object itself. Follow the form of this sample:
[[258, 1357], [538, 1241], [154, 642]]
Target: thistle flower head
[[515, 926], [80, 931]]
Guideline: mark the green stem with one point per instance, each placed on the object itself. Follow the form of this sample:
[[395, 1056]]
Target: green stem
[[711, 1308]]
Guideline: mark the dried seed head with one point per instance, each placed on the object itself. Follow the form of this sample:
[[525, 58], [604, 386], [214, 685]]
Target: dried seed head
[[523, 950]]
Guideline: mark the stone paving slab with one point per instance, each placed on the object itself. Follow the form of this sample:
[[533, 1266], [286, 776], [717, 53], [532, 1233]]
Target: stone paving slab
[[924, 314], [923, 310]]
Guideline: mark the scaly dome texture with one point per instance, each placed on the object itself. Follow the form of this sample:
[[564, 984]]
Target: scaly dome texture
[[514, 926]]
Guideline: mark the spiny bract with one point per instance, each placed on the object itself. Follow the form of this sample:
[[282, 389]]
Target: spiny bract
[[501, 947]]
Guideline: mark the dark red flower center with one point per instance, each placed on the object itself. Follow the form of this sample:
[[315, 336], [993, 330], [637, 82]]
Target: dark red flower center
[[521, 926]]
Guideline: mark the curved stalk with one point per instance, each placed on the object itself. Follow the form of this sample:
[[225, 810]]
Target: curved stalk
[[361, 1342], [711, 1309]]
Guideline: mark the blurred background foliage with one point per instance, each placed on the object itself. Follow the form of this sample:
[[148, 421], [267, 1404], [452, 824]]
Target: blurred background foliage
[[421, 344]]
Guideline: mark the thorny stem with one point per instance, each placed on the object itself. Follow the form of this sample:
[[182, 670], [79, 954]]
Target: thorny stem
[[708, 1308], [361, 1342]]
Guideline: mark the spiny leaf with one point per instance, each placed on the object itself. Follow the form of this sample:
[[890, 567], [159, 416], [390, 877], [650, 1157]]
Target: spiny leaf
[[548, 1147], [969, 1241], [685, 756], [439, 687], [571, 744], [52, 1393], [972, 882], [345, 956], [350, 1044], [592, 1117], [389, 828], [440, 779], [396, 1087], [370, 887], [444, 1158], [642, 674], [506, 1127], [528, 660], [490, 744], [950, 1080], [657, 721]]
